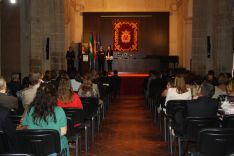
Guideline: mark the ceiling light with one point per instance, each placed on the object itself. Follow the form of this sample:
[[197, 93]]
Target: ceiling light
[[12, 1]]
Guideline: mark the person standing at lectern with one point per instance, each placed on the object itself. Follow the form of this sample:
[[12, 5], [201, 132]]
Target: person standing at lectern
[[84, 61], [70, 56], [101, 60], [109, 58]]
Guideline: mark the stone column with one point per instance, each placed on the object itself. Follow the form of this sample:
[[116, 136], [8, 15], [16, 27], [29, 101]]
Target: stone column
[[212, 19], [223, 36], [199, 54], [25, 36], [47, 21]]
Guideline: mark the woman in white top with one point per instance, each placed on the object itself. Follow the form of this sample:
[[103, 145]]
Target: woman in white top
[[228, 104], [179, 91]]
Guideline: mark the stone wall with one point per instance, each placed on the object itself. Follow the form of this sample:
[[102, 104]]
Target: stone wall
[[47, 21], [212, 19], [10, 39]]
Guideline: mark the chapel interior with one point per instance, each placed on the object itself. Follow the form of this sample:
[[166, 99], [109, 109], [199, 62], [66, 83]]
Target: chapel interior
[[154, 42]]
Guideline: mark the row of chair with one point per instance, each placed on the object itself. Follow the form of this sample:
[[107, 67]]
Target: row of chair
[[38, 142], [193, 130], [80, 122]]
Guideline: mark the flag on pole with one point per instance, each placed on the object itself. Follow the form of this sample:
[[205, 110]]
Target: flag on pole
[[94, 49], [98, 44], [91, 50]]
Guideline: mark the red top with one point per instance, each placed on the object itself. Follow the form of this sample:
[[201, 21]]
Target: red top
[[76, 103]]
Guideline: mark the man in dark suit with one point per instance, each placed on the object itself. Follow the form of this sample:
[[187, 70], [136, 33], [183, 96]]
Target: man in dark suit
[[101, 60], [115, 81], [70, 56], [204, 106]]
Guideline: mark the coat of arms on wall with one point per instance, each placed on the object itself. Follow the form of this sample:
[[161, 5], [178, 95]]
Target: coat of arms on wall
[[125, 35]]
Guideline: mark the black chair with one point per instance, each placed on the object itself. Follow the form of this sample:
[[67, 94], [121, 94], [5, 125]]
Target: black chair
[[16, 154], [228, 121], [192, 127], [174, 109], [216, 142], [40, 142], [105, 95], [15, 119], [75, 118], [90, 107], [4, 146]]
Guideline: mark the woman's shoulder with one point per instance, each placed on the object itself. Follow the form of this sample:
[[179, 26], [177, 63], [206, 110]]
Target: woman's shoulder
[[171, 89], [58, 109]]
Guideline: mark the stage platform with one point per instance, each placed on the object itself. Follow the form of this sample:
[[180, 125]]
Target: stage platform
[[132, 83]]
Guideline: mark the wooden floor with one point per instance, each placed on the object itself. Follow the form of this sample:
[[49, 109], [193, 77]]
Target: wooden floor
[[128, 130]]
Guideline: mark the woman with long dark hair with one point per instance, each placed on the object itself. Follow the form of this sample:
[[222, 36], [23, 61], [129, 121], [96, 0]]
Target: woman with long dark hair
[[43, 113]]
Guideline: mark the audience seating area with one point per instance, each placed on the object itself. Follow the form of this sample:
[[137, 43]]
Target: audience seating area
[[204, 134], [196, 136], [82, 125]]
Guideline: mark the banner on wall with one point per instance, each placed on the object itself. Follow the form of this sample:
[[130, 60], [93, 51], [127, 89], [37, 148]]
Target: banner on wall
[[125, 35]]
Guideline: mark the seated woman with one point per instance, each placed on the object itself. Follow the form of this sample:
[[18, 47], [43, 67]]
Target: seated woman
[[66, 97], [43, 113], [228, 104], [170, 84], [86, 89], [221, 88], [179, 91]]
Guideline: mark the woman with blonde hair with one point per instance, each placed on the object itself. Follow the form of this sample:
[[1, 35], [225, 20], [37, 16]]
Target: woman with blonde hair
[[228, 104], [86, 89], [66, 97], [179, 91]]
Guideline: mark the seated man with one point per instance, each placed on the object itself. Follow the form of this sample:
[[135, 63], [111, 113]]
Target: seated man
[[204, 106], [7, 101]]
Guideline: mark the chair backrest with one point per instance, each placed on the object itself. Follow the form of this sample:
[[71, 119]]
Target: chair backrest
[[174, 106], [104, 90], [176, 113], [75, 117], [40, 142], [216, 142], [228, 121], [15, 119], [90, 105], [193, 125], [76, 114], [4, 146]]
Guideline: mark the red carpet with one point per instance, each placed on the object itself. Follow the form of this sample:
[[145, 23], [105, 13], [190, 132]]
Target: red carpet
[[132, 83]]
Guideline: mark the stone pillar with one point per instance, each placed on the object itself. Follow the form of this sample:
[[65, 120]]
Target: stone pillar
[[223, 36], [25, 36], [47, 21], [212, 19]]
